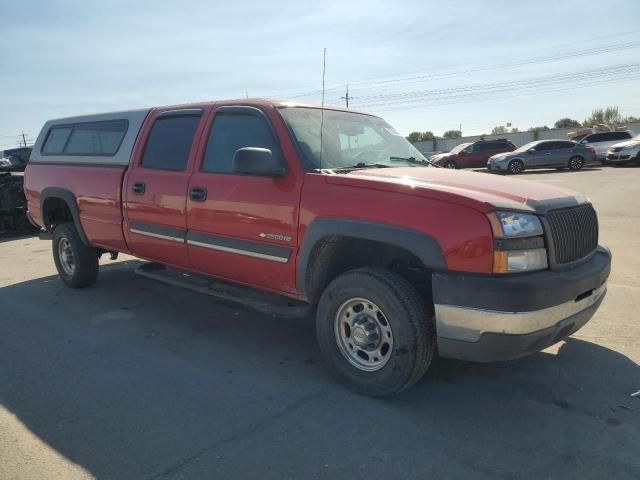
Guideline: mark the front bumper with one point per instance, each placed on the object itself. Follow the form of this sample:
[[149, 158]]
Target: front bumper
[[622, 156], [497, 166], [482, 318]]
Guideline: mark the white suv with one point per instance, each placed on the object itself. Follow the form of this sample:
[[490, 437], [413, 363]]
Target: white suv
[[601, 141], [624, 152]]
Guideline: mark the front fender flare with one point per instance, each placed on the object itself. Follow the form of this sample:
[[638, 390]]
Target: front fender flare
[[419, 244]]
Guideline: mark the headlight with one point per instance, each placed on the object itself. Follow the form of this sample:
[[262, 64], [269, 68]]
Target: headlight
[[514, 225], [518, 242]]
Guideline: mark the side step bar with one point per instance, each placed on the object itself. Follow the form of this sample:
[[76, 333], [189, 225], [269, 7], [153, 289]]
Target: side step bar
[[262, 302]]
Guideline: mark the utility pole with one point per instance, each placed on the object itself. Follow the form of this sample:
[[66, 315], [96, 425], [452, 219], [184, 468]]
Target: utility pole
[[24, 141], [347, 97]]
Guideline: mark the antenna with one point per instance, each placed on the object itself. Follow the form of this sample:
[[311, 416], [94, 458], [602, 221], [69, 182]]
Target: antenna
[[324, 68]]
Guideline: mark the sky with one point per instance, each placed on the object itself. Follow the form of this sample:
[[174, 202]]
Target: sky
[[422, 65]]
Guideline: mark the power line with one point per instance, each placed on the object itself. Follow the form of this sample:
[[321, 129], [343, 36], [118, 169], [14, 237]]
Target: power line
[[417, 76], [467, 98]]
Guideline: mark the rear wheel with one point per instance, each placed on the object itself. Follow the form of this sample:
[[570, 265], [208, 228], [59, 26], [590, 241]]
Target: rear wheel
[[576, 163], [450, 164], [516, 166], [375, 332], [77, 263]]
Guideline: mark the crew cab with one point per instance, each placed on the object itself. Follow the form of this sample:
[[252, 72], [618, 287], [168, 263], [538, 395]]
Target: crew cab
[[329, 207], [472, 155]]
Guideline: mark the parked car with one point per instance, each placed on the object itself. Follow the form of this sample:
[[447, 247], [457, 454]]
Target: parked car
[[472, 155], [325, 208], [624, 152], [543, 154], [602, 141]]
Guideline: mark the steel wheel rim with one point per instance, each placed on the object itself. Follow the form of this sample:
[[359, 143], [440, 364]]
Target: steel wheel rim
[[363, 334], [65, 255]]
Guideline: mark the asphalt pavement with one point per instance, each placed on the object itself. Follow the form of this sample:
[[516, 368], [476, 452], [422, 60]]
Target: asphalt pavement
[[134, 379]]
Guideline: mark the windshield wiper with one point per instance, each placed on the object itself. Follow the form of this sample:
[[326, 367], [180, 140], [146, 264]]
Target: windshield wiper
[[361, 165], [413, 160]]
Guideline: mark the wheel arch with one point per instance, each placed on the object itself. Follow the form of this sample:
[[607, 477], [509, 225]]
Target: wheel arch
[[51, 196], [327, 241]]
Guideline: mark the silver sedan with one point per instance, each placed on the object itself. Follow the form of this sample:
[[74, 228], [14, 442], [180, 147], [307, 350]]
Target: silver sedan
[[543, 154]]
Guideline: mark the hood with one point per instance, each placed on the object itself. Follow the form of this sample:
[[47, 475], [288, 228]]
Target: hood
[[501, 156], [439, 156], [483, 191], [628, 143]]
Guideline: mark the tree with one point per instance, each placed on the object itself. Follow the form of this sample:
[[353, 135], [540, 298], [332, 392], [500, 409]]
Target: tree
[[452, 134], [414, 137], [421, 137], [499, 130], [606, 116], [632, 119], [537, 129], [567, 122]]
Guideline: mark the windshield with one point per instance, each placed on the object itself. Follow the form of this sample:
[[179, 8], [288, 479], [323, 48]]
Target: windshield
[[526, 147], [349, 140], [459, 148]]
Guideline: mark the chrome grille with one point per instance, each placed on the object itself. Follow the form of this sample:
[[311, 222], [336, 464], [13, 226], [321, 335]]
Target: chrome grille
[[574, 232]]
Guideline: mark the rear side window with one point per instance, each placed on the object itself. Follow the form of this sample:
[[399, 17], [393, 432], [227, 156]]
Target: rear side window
[[99, 138], [90, 138], [169, 142], [56, 140], [230, 132], [620, 135]]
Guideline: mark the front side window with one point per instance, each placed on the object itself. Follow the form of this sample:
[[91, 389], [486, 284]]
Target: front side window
[[169, 142], [544, 146], [349, 140], [230, 132]]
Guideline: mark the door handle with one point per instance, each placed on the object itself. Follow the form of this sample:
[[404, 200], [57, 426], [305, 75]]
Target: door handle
[[138, 188], [198, 194], [547, 154]]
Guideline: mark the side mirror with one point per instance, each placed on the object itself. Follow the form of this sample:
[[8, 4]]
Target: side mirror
[[257, 161], [584, 141]]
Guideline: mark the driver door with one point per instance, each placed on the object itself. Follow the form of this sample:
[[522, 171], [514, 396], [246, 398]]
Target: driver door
[[243, 227]]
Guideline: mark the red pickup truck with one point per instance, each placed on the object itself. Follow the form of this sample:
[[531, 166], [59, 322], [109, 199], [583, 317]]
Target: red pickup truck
[[329, 207]]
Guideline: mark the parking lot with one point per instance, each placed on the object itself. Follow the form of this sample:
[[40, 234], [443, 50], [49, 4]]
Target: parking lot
[[136, 379]]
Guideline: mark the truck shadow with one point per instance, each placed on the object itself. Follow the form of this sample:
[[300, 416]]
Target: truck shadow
[[133, 379]]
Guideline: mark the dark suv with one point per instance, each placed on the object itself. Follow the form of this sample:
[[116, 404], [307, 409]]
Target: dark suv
[[472, 155]]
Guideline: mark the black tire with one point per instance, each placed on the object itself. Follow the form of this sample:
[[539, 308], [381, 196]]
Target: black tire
[[408, 317], [81, 270], [516, 166], [450, 164], [576, 163]]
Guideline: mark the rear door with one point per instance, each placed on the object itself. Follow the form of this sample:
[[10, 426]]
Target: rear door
[[155, 187], [561, 153], [244, 227]]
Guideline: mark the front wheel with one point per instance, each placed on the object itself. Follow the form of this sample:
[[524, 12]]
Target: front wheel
[[451, 164], [375, 332], [576, 163], [77, 263], [516, 166]]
